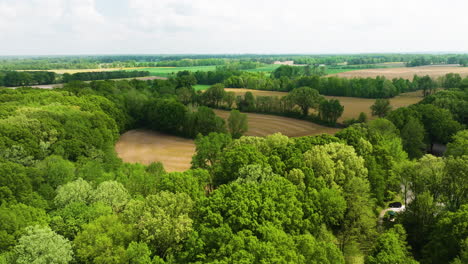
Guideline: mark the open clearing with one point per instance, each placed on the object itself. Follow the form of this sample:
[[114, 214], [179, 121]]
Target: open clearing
[[261, 125], [352, 105], [405, 72], [145, 146], [175, 153]]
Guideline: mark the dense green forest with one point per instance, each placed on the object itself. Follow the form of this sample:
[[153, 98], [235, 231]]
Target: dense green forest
[[25, 78], [287, 78], [117, 61], [67, 198]]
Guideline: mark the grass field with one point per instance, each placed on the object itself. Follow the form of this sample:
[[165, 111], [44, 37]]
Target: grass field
[[406, 72], [201, 87], [352, 105], [167, 71], [335, 71]]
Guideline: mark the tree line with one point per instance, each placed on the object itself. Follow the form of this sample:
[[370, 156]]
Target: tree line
[[287, 78], [118, 61], [23, 78], [102, 75]]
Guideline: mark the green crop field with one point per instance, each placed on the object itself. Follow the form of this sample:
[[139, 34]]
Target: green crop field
[[167, 71], [201, 87], [266, 68], [333, 71]]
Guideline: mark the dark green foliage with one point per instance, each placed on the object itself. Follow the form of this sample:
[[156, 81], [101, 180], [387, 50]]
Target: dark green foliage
[[330, 110], [104, 75], [25, 78], [381, 107], [237, 124]]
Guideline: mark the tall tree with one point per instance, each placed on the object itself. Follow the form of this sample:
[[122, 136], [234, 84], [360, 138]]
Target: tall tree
[[305, 97], [237, 123], [330, 110], [412, 136], [381, 107]]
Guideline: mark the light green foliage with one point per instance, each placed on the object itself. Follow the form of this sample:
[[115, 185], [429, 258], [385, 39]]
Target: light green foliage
[[340, 167], [42, 246], [336, 163], [237, 123], [192, 182], [459, 144], [111, 193], [104, 240], [68, 221], [162, 220], [76, 191], [138, 253], [391, 248]]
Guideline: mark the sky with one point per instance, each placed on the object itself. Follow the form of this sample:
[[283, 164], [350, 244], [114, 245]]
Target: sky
[[64, 27]]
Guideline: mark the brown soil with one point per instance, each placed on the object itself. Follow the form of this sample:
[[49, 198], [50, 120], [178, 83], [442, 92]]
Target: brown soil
[[405, 72], [145, 146]]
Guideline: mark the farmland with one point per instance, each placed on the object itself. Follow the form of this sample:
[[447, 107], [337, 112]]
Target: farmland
[[146, 146], [352, 105], [175, 153], [261, 125], [405, 72]]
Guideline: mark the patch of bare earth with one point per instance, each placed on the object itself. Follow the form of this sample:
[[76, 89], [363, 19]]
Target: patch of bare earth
[[145, 146], [405, 72]]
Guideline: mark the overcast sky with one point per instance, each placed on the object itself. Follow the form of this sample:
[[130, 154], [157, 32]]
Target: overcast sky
[[41, 27]]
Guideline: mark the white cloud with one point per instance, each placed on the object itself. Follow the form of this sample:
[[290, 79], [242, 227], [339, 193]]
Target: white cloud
[[218, 26]]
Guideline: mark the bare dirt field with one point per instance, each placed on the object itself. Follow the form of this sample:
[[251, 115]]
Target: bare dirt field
[[352, 105], [175, 153], [262, 125], [405, 72], [145, 146]]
